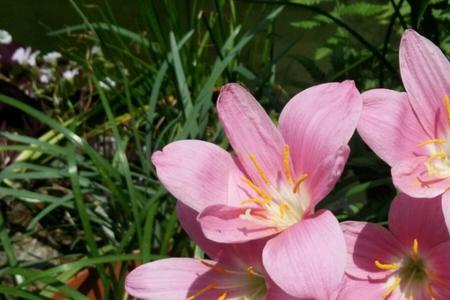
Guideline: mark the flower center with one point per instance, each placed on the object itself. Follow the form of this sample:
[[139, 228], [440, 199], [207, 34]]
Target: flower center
[[411, 275], [248, 284], [438, 162], [277, 204]]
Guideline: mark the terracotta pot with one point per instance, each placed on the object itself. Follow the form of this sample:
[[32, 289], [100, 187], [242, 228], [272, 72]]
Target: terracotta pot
[[88, 282]]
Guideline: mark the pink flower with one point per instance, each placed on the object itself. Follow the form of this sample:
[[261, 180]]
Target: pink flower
[[273, 182], [235, 272], [411, 131], [411, 261]]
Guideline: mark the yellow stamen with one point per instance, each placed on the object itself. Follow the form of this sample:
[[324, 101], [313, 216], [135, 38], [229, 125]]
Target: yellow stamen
[[202, 291], [257, 189], [447, 106], [287, 163], [214, 267], [436, 155], [246, 298], [223, 296], [435, 277], [256, 200], [432, 141], [415, 253], [298, 182], [431, 292], [385, 266], [258, 167], [410, 298], [251, 272], [283, 208], [392, 287]]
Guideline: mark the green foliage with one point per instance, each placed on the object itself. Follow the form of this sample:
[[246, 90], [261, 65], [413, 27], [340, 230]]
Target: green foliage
[[86, 179]]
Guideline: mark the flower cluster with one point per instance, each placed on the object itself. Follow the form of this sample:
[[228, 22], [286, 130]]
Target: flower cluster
[[49, 76], [253, 211]]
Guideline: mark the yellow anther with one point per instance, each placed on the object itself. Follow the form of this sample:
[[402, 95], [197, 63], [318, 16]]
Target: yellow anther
[[202, 291], [287, 163], [298, 182], [246, 298], [436, 155], [223, 296], [283, 208], [410, 298], [251, 272], [415, 249], [256, 200], [214, 267], [432, 141], [447, 106], [392, 287], [258, 167], [431, 292], [385, 266], [257, 189]]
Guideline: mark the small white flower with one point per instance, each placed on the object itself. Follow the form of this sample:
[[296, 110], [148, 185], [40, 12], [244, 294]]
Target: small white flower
[[32, 59], [5, 37], [25, 56], [107, 84], [52, 57], [69, 75], [45, 75], [96, 50]]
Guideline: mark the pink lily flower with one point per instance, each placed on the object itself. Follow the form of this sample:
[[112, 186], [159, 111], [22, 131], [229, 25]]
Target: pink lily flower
[[234, 272], [411, 261], [411, 131], [272, 184]]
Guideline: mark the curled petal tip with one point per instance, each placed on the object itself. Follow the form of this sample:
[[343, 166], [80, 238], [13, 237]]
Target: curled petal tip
[[229, 87], [156, 157]]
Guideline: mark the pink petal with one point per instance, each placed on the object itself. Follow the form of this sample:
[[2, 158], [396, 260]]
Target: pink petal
[[244, 255], [411, 177], [421, 219], [425, 72], [356, 289], [250, 130], [248, 254], [235, 255], [390, 127], [188, 219], [325, 176], [308, 259], [439, 261], [367, 243], [274, 292], [223, 224], [446, 208], [197, 173], [171, 279], [318, 121]]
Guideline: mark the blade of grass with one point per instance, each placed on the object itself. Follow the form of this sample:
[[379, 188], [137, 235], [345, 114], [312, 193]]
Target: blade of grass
[[182, 85], [84, 218], [6, 290], [133, 195]]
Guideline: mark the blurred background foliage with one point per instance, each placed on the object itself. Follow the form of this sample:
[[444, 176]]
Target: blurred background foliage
[[78, 192]]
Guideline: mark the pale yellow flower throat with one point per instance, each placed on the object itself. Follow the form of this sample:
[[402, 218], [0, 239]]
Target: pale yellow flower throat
[[255, 289], [438, 162], [410, 272], [279, 204]]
